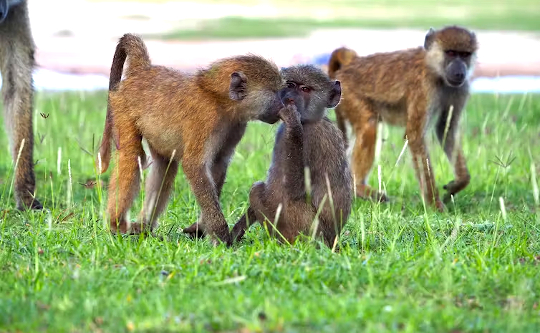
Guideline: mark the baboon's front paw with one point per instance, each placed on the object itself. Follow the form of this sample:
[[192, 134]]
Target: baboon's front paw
[[369, 193], [195, 231], [237, 233], [439, 205], [452, 188], [380, 197], [138, 228], [224, 238]]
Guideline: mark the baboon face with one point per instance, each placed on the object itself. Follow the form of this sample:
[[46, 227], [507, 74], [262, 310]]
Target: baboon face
[[451, 52], [311, 91], [456, 66], [270, 110], [263, 100]]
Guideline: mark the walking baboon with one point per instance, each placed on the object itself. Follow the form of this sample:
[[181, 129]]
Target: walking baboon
[[305, 139], [409, 88], [16, 65], [196, 119]]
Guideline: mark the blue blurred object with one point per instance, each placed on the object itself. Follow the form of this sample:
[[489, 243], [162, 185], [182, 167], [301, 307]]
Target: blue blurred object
[[321, 59]]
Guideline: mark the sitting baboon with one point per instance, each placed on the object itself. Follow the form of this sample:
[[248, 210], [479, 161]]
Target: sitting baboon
[[305, 139]]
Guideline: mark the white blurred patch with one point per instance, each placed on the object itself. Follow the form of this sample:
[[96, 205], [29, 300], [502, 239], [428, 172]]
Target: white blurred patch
[[506, 84], [48, 80], [45, 79]]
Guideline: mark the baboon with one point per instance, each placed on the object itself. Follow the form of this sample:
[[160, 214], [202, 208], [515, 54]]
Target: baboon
[[16, 65], [194, 119], [305, 139], [410, 88]]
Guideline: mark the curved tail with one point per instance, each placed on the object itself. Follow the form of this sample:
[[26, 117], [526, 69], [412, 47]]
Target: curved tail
[[338, 59], [128, 46]]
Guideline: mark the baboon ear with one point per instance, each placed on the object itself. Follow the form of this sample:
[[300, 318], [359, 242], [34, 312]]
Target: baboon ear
[[429, 38], [238, 86], [335, 95]]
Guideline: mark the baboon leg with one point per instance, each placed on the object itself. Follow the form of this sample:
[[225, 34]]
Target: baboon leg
[[17, 62], [200, 179], [340, 122], [158, 188], [265, 212], [424, 171], [239, 229], [364, 153], [461, 174], [446, 130], [258, 202], [223, 157], [219, 172], [125, 178]]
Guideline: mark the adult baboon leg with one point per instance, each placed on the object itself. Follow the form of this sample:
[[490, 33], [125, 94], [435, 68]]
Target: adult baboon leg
[[340, 122], [212, 220], [447, 133], [422, 163], [364, 152], [17, 62], [158, 189], [125, 178], [223, 157], [219, 172]]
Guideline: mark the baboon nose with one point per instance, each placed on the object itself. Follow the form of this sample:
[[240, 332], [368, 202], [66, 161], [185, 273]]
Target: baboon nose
[[288, 100], [459, 76]]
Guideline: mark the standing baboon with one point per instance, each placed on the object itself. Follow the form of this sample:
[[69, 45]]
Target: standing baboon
[[17, 63], [306, 139], [409, 88], [196, 119]]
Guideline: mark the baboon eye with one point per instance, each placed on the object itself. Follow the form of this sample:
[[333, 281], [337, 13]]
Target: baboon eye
[[305, 89], [451, 53], [291, 85], [465, 54]]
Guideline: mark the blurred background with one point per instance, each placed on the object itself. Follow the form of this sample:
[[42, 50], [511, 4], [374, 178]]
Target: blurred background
[[76, 38]]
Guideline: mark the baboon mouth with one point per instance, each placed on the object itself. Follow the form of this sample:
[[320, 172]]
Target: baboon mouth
[[455, 83]]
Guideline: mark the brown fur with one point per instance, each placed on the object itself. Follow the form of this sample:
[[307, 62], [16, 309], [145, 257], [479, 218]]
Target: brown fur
[[194, 119], [16, 65], [406, 88], [307, 138]]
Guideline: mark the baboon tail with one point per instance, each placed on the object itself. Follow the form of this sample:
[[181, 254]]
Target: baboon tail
[[338, 59], [128, 46]]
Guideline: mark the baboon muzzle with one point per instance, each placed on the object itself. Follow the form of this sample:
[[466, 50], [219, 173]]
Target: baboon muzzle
[[456, 73]]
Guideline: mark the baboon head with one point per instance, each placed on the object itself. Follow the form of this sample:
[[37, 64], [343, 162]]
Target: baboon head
[[451, 53], [255, 84], [311, 90]]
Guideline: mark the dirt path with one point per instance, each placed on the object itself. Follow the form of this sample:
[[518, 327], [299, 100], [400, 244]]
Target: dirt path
[[82, 44]]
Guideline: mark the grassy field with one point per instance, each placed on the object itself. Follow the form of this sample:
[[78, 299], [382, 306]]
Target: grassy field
[[299, 18], [401, 267]]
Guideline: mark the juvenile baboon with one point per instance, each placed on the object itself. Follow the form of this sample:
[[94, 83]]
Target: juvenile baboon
[[409, 88], [16, 65], [194, 119], [306, 138]]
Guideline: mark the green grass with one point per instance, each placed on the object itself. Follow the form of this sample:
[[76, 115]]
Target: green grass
[[401, 268], [299, 18]]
